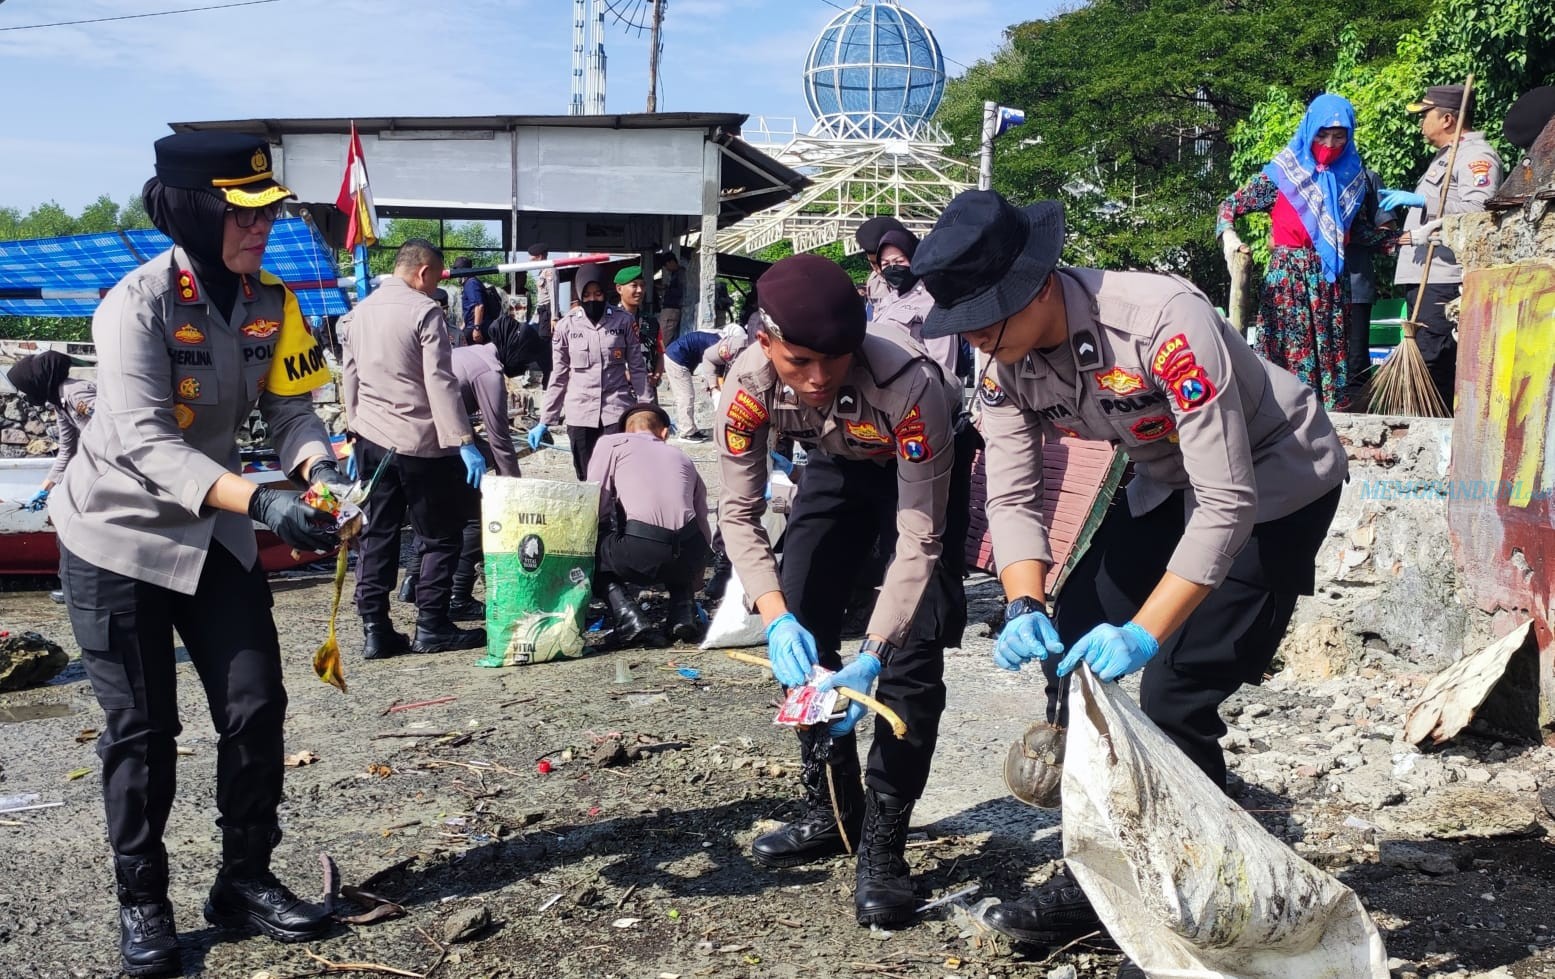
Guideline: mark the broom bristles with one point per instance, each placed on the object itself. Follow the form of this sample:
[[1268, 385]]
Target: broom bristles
[[1403, 384]]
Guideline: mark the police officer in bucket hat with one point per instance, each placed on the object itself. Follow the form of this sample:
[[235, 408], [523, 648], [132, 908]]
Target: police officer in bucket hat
[[1194, 572]]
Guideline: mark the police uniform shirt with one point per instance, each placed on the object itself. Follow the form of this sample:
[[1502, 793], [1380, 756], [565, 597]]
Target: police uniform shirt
[[878, 291], [1477, 173], [894, 407], [77, 399], [598, 370], [1149, 365], [177, 381], [483, 388], [397, 379], [906, 312], [654, 482]]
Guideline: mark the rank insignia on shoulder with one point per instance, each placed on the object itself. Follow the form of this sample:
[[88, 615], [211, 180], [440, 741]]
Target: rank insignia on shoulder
[[188, 291], [847, 402], [990, 393]]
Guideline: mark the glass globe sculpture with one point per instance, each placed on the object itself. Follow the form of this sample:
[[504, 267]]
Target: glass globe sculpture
[[875, 72]]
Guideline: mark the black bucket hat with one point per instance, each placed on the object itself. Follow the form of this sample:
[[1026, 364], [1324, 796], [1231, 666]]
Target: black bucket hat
[[986, 259]]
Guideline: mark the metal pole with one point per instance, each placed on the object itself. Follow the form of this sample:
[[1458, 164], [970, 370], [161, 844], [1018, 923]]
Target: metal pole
[[653, 55], [990, 126]]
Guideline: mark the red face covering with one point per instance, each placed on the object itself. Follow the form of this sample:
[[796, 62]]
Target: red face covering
[[1326, 155]]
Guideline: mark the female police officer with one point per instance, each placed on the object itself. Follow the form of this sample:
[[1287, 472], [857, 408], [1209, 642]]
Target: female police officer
[[1237, 473], [155, 533]]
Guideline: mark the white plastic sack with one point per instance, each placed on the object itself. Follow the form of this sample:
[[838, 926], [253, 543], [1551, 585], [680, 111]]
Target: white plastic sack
[[734, 625], [1189, 885]]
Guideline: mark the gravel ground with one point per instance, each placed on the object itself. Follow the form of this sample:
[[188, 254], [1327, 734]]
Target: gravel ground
[[640, 868]]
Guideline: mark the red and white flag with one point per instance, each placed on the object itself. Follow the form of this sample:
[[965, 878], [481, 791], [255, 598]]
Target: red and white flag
[[356, 198]]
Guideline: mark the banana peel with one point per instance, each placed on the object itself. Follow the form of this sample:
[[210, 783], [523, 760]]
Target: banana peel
[[326, 662], [898, 726]]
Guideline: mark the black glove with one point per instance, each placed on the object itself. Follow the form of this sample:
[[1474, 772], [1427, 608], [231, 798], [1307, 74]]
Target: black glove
[[294, 521], [326, 471]]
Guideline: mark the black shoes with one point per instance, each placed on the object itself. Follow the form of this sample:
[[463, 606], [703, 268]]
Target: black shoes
[[248, 897], [148, 941], [883, 894], [467, 610], [815, 835], [438, 634], [630, 626], [1054, 914], [407, 592], [381, 640], [683, 622]]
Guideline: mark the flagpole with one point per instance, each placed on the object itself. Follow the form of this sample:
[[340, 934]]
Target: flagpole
[[985, 168], [364, 279]]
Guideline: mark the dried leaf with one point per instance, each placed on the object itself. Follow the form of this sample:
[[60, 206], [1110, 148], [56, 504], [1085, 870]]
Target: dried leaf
[[380, 770], [78, 773], [89, 734]]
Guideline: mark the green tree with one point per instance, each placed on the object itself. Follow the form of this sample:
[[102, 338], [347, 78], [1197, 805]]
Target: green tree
[[1129, 105]]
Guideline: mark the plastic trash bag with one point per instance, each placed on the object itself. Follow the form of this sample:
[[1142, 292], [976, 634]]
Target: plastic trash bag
[[1189, 885], [734, 624]]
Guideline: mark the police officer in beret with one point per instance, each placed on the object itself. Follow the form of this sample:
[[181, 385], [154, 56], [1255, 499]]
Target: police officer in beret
[[884, 429], [156, 533], [598, 370], [1193, 575]]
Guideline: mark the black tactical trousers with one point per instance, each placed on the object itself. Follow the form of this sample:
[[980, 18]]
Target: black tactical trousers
[[583, 441], [125, 630], [1357, 354], [439, 502], [826, 546], [640, 554], [1227, 641]]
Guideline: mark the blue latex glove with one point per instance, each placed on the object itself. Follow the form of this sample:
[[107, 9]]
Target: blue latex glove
[[351, 470], [782, 464], [858, 675], [1025, 638], [474, 464], [1112, 651], [535, 435], [39, 500], [1394, 199], [790, 650]]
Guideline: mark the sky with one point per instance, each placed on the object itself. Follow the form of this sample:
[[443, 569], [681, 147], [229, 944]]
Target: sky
[[85, 103]]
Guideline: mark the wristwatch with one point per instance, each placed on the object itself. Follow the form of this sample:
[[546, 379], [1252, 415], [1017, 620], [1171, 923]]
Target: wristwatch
[[879, 649], [1021, 606]]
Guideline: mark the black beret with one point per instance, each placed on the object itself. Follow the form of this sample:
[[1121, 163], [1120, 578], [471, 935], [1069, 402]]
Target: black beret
[[539, 248], [234, 166], [649, 407], [809, 301], [868, 233], [1528, 116]]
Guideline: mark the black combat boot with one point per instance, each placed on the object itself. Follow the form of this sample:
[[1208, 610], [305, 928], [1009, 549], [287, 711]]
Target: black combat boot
[[883, 894], [630, 626], [407, 592], [381, 639], [248, 897], [683, 621], [462, 606], [148, 942], [815, 835], [1054, 914], [723, 569], [436, 633]]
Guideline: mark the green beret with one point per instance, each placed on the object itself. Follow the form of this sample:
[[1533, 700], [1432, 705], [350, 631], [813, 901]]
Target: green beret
[[628, 274]]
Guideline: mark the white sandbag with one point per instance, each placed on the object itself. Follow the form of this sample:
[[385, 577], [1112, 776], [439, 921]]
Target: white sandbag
[[1188, 884], [733, 626]]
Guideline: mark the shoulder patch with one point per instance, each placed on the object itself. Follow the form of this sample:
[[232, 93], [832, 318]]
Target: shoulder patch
[[990, 393], [745, 412], [1181, 374], [737, 442]]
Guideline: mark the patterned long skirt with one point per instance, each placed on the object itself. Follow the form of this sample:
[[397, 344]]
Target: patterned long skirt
[[1301, 322]]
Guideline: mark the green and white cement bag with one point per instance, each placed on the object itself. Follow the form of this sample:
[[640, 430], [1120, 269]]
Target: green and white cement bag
[[539, 537]]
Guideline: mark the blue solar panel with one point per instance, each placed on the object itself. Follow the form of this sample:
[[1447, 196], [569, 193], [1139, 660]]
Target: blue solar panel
[[99, 261]]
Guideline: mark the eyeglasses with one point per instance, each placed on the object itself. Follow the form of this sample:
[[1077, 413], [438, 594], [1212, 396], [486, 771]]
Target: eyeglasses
[[244, 217]]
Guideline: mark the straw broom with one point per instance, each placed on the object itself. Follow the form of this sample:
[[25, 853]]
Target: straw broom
[[1403, 384]]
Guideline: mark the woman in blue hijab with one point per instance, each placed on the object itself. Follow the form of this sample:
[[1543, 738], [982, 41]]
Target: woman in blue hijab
[[1320, 201]]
